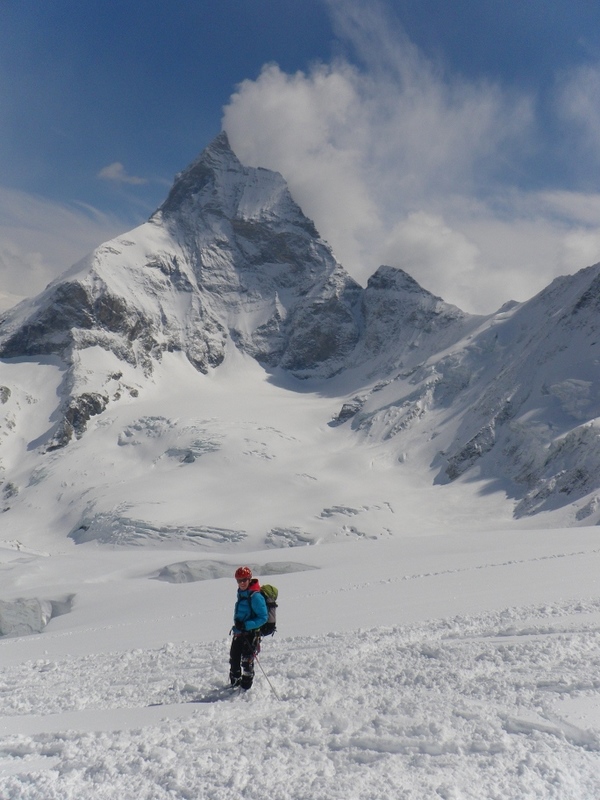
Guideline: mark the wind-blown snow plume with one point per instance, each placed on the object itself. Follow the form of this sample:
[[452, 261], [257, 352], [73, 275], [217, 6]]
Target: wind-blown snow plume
[[398, 161], [40, 239]]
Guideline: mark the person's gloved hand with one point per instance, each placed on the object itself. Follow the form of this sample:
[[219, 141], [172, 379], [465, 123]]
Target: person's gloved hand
[[239, 624]]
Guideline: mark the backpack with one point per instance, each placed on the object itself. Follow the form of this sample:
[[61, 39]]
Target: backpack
[[270, 593]]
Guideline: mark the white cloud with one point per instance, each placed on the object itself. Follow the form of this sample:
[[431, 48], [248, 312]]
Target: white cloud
[[581, 246], [579, 103], [40, 239], [397, 162], [309, 129], [573, 206], [444, 259], [116, 172]]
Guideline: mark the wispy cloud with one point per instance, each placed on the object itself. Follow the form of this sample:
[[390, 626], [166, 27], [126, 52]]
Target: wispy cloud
[[40, 239], [116, 172], [400, 163], [578, 102]]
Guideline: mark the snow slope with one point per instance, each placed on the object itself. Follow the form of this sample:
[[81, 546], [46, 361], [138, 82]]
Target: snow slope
[[427, 646], [410, 693]]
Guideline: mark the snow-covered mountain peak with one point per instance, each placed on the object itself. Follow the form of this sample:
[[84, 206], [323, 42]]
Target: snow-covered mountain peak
[[217, 183], [203, 180], [229, 255], [229, 259], [396, 280], [404, 324]]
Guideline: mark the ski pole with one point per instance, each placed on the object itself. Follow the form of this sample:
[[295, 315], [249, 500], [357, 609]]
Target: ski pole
[[267, 677]]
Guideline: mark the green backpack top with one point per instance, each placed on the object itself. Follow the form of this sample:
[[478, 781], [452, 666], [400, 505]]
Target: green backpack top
[[270, 593]]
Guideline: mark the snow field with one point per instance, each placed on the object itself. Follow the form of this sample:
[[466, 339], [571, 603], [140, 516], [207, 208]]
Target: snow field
[[400, 673], [462, 708]]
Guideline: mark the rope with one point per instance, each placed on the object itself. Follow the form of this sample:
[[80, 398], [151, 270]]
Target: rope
[[267, 677]]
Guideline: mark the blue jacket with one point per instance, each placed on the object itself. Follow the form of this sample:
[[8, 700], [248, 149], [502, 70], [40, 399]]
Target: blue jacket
[[251, 609]]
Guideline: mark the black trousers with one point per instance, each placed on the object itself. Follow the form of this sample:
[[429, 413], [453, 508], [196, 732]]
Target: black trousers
[[244, 648]]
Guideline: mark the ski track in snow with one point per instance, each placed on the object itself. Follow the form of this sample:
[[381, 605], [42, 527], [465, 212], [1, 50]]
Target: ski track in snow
[[454, 571], [460, 708]]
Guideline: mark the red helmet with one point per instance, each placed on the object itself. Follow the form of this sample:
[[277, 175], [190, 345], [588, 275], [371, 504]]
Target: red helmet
[[243, 573]]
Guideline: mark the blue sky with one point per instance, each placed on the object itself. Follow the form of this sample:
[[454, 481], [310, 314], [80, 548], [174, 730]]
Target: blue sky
[[460, 141]]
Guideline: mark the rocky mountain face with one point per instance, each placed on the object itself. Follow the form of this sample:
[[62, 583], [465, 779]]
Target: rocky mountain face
[[515, 404], [230, 260], [229, 254]]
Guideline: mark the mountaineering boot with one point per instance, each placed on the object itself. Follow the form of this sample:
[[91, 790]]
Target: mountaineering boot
[[247, 673]]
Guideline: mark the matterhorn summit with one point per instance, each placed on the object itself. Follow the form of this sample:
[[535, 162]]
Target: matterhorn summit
[[229, 254], [229, 257]]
